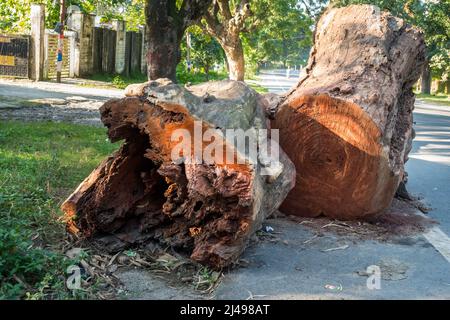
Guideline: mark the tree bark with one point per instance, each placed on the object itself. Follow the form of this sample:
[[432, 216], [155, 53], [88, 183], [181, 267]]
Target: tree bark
[[166, 25], [235, 59], [425, 80], [347, 125], [225, 25], [141, 193]]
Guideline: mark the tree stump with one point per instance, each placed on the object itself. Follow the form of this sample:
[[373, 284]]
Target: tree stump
[[141, 193], [347, 124]]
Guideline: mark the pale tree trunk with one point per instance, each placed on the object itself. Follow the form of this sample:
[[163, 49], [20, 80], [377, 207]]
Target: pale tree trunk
[[235, 60], [225, 25]]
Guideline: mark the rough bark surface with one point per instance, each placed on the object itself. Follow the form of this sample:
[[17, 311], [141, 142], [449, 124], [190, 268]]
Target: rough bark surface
[[166, 25], [234, 53], [225, 25], [140, 194], [347, 125]]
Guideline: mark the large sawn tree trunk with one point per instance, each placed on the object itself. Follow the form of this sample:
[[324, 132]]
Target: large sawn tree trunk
[[148, 190], [347, 125]]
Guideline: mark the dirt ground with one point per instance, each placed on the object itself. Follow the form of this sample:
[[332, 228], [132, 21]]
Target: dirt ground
[[153, 272]]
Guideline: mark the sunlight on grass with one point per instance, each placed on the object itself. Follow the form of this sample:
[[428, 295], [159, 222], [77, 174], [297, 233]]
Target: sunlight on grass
[[440, 98], [40, 164]]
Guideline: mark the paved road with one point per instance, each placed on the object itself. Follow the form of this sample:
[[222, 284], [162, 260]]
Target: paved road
[[277, 81], [26, 89], [39, 101], [429, 164]]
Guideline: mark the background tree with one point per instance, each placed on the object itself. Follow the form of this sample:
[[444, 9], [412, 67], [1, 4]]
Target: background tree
[[15, 15], [133, 14], [167, 20], [281, 33], [225, 20], [205, 50]]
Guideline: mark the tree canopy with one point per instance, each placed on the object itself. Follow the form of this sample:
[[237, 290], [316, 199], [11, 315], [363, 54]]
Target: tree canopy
[[280, 32], [273, 32]]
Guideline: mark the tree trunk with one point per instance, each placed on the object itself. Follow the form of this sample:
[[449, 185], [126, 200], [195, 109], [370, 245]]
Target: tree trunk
[[285, 54], [440, 86], [425, 82], [207, 72], [162, 59], [166, 25], [143, 193], [225, 25], [234, 53], [164, 39], [347, 125]]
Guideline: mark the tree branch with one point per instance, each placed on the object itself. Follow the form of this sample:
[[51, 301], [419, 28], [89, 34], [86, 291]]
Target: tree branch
[[212, 25], [224, 8], [192, 11], [242, 13]]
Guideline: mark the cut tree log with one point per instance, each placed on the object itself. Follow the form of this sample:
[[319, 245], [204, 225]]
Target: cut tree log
[[347, 124], [149, 191]]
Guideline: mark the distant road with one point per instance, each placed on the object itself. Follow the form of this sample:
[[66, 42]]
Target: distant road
[[277, 81], [27, 90]]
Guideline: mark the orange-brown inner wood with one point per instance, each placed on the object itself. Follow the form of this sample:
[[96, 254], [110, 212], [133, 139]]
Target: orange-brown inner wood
[[341, 169]]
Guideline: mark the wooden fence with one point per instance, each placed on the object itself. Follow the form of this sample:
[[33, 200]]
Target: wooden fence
[[104, 50], [133, 53]]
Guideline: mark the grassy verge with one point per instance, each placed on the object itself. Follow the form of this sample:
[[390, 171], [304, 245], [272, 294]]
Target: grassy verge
[[440, 98], [118, 81], [40, 164], [257, 87], [183, 77]]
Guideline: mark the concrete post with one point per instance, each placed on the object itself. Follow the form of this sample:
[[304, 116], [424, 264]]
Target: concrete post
[[119, 27], [72, 36], [144, 49], [37, 17], [83, 25]]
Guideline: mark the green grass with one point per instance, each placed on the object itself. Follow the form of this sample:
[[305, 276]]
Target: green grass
[[118, 81], [40, 164], [257, 87], [183, 77], [440, 98]]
